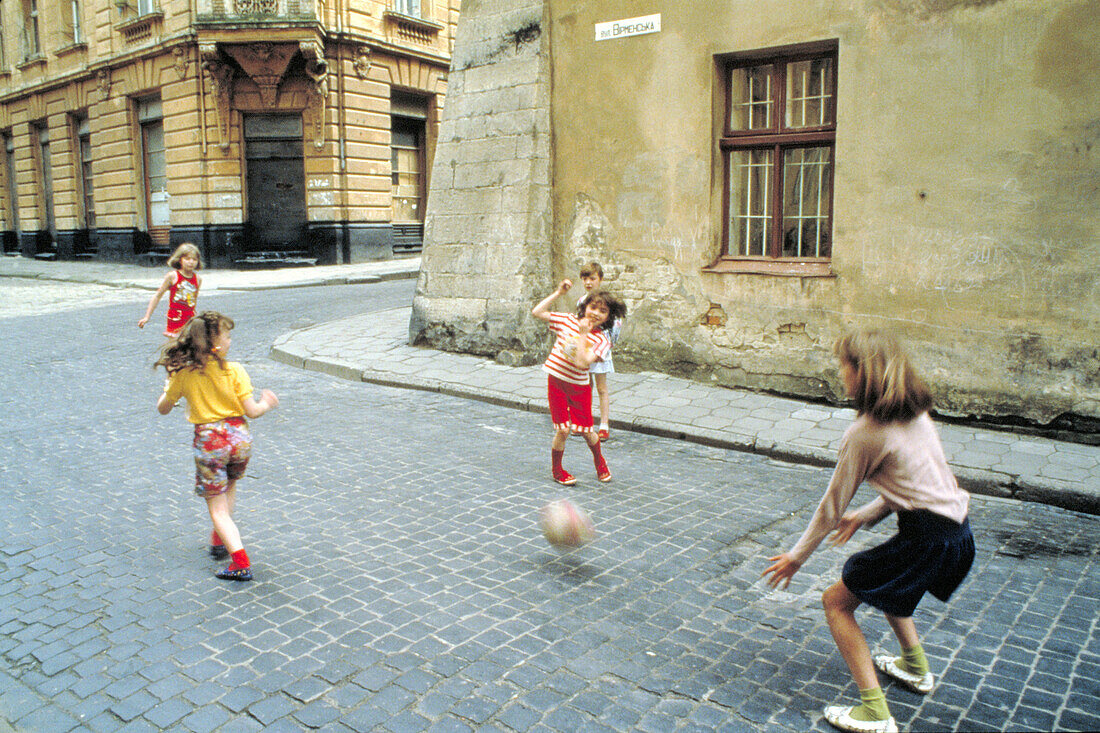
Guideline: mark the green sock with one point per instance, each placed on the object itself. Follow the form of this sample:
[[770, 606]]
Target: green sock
[[913, 660], [873, 707]]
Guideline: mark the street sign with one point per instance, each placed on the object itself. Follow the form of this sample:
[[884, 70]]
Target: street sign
[[628, 27]]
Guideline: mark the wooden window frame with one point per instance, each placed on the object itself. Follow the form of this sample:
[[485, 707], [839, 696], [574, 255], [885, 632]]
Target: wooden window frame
[[3, 45], [82, 169], [10, 181], [424, 12], [32, 41], [421, 125], [778, 139]]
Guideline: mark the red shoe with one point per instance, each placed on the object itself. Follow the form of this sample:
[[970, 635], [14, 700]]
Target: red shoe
[[603, 473], [565, 478], [604, 435]]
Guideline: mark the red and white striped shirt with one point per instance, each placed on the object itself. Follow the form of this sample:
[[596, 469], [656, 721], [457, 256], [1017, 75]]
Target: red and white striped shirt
[[560, 363]]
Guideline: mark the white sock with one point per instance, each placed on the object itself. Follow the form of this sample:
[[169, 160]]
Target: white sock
[[603, 426]]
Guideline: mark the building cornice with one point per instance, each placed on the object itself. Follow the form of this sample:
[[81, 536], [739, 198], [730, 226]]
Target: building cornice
[[200, 32]]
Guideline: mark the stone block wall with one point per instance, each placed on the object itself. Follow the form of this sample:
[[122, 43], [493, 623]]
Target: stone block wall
[[963, 205], [487, 256]]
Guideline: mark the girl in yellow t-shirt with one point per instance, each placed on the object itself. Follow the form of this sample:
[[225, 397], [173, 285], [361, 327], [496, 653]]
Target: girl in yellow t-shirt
[[219, 397]]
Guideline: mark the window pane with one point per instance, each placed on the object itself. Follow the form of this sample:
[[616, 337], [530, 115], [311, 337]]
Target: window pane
[[749, 224], [155, 174], [86, 177], [806, 196], [406, 184], [809, 89], [408, 7], [751, 98], [13, 191]]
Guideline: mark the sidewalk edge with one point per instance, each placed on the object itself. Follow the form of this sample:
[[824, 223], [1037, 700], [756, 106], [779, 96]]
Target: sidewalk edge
[[975, 480]]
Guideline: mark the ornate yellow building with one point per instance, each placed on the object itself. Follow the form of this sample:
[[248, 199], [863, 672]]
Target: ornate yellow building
[[258, 129]]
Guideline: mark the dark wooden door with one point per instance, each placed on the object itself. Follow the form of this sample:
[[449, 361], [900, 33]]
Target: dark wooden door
[[276, 182]]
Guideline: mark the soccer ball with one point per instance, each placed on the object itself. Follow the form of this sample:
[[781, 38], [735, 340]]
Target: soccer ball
[[564, 525]]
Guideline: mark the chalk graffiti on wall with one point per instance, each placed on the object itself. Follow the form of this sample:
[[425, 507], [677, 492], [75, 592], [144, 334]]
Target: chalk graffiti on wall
[[657, 209], [955, 263]]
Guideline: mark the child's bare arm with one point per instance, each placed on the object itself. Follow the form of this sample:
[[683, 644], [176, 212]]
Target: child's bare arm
[[542, 310], [254, 408], [156, 299], [584, 356], [782, 569], [164, 406]]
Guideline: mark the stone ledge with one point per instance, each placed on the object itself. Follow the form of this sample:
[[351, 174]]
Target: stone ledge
[[334, 368]]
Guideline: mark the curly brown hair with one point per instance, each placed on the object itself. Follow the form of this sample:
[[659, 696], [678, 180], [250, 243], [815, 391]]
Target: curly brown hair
[[194, 346], [887, 386], [615, 307]]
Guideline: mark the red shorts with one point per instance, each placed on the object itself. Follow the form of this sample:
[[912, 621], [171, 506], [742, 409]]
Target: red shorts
[[570, 404]]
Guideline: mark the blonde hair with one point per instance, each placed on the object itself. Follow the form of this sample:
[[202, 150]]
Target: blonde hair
[[187, 248], [194, 346], [886, 385]]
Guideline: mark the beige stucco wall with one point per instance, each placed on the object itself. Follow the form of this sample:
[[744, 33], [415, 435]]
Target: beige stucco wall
[[966, 206]]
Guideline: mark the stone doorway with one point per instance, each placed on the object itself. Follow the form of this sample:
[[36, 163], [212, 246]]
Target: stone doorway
[[275, 173]]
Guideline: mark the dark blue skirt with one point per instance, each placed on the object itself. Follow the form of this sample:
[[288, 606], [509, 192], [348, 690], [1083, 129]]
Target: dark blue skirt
[[930, 553]]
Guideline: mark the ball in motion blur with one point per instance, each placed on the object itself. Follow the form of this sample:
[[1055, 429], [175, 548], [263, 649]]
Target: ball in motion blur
[[564, 525]]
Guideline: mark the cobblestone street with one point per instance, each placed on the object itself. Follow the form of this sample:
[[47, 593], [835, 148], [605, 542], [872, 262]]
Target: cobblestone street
[[402, 583]]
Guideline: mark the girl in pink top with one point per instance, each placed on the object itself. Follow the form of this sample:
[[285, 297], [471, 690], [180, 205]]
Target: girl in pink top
[[581, 341], [893, 446]]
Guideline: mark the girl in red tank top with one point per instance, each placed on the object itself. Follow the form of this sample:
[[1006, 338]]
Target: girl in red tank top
[[182, 285]]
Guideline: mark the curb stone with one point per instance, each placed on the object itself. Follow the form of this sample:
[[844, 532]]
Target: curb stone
[[983, 481]]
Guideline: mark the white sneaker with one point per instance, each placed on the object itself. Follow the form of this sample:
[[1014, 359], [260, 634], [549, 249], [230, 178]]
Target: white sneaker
[[841, 717], [915, 682]]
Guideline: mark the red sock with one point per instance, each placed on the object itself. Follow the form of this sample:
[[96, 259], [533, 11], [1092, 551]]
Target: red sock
[[555, 459], [597, 453], [214, 538], [240, 560], [597, 458]]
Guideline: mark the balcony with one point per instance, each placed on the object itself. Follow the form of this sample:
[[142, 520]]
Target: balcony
[[406, 29], [243, 13]]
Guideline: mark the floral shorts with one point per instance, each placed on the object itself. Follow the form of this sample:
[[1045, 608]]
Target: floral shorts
[[221, 450]]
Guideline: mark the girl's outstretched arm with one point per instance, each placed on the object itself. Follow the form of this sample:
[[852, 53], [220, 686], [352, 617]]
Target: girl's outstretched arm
[[156, 299], [253, 408], [783, 567], [167, 401], [542, 310], [845, 528]]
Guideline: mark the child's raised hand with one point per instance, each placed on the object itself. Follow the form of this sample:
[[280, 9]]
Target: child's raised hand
[[782, 569], [564, 285], [845, 528], [269, 397], [584, 326]]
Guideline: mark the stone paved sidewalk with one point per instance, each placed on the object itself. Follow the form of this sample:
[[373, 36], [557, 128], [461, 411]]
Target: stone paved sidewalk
[[149, 278], [374, 348]]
